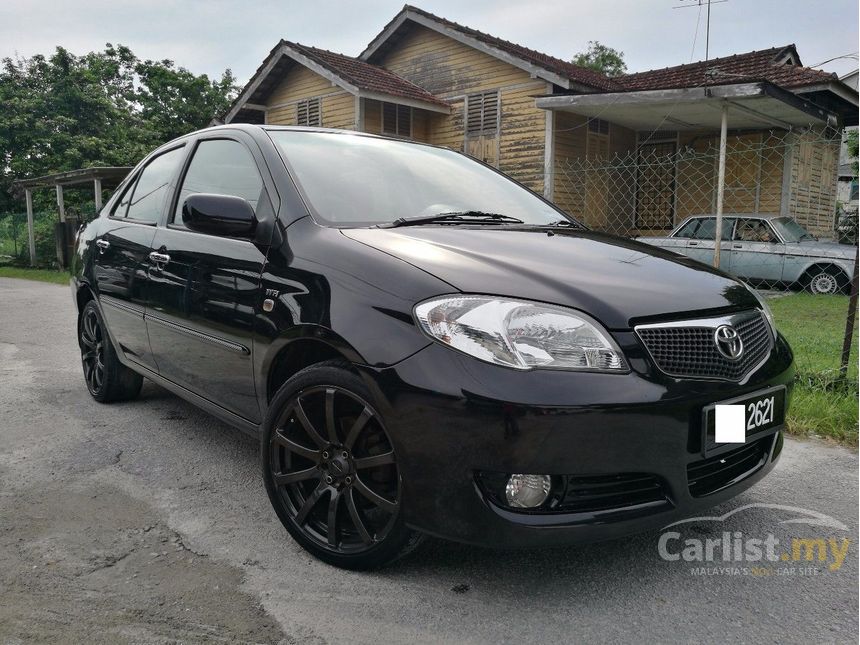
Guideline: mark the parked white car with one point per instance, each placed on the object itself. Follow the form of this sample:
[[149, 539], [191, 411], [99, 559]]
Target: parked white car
[[765, 248]]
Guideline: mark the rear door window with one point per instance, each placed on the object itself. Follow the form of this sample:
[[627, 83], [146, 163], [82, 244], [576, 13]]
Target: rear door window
[[144, 201]]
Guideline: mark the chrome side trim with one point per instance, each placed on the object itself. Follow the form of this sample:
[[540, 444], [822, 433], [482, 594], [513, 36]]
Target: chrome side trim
[[711, 323], [199, 335], [110, 301]]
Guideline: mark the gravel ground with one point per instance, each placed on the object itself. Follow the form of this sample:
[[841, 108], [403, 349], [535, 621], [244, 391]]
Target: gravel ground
[[147, 522]]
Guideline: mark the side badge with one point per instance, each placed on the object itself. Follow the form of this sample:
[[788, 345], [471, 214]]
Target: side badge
[[268, 304]]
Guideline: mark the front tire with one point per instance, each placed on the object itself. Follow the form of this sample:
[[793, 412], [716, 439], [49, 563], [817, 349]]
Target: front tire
[[331, 471], [107, 379]]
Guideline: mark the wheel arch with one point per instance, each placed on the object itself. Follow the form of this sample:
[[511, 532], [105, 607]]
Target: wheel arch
[[304, 346], [823, 265]]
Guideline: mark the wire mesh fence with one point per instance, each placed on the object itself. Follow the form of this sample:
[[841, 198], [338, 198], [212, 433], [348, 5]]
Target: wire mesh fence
[[779, 196]]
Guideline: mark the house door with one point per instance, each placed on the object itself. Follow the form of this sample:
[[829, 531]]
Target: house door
[[655, 186]]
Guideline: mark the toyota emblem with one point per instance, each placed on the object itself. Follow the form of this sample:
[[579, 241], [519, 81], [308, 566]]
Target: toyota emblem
[[728, 342]]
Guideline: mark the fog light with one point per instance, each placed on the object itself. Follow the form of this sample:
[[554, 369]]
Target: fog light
[[527, 491]]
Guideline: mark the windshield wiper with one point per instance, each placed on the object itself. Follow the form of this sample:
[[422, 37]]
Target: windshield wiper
[[454, 217]]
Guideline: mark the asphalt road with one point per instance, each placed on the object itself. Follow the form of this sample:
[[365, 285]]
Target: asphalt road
[[147, 522]]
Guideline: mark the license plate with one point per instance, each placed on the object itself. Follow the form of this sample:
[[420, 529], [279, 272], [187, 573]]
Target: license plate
[[763, 411]]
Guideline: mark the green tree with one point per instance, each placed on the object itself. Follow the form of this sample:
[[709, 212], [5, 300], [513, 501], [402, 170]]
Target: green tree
[[601, 58], [103, 108], [852, 145]]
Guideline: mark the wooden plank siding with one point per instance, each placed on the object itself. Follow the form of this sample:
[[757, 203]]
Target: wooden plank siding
[[336, 104], [452, 70], [814, 167]]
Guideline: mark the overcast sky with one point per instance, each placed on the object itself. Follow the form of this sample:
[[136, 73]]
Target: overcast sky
[[207, 36]]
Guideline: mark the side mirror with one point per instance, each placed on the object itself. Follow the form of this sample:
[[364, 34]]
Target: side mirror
[[222, 215]]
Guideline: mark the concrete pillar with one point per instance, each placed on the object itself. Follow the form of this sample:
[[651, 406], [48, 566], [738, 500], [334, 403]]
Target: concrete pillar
[[721, 184], [31, 234], [97, 188]]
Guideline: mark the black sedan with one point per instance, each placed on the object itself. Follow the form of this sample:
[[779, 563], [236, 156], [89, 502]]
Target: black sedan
[[422, 345]]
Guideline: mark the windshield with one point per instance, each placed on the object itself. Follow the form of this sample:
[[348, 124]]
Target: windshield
[[790, 230], [353, 180]]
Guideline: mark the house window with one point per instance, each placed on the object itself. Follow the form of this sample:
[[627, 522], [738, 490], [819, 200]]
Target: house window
[[396, 119], [308, 113], [598, 126], [482, 113]]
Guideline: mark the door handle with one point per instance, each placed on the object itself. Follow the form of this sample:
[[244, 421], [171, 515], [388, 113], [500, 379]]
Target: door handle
[[737, 246], [694, 244], [103, 245], [159, 259]]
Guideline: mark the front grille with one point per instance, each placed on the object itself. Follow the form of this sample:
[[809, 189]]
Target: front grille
[[688, 350], [715, 473], [621, 492]]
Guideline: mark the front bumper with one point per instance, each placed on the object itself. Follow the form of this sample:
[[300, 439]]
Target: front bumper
[[451, 416]]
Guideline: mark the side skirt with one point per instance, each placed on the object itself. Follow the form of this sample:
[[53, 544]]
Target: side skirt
[[206, 405]]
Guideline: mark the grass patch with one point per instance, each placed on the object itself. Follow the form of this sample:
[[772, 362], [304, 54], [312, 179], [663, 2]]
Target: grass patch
[[823, 404], [42, 275]]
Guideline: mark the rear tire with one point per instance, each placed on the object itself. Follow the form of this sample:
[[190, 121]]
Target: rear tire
[[107, 379], [331, 472], [825, 281]]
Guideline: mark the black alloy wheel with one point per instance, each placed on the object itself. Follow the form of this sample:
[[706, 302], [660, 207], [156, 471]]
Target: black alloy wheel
[[331, 470], [92, 351]]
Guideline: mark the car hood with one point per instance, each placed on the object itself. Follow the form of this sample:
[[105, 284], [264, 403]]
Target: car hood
[[618, 281]]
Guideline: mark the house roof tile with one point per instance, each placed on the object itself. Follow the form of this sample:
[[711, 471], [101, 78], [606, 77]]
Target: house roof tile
[[778, 65], [365, 76]]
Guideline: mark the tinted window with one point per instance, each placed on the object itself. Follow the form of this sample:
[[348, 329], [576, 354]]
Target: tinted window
[[754, 230], [145, 200], [353, 180], [221, 167]]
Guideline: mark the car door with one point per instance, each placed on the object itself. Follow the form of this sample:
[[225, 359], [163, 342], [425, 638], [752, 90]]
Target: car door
[[204, 289], [700, 246], [123, 248], [757, 252]]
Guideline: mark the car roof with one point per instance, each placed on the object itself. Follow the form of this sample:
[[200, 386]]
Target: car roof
[[745, 215]]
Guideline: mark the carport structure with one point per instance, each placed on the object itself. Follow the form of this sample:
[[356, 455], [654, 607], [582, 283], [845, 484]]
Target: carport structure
[[100, 178], [679, 115]]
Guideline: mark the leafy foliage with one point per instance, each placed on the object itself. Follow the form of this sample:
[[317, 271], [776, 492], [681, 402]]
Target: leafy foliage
[[851, 144], [602, 59], [103, 108]]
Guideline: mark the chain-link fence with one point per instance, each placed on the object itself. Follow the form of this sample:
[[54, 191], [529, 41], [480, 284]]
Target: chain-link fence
[[779, 193]]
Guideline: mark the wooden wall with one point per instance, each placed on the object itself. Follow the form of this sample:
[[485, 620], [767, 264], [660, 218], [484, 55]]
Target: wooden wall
[[336, 104], [814, 166], [452, 70]]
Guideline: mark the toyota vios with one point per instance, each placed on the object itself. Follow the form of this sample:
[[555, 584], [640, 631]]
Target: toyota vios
[[422, 345]]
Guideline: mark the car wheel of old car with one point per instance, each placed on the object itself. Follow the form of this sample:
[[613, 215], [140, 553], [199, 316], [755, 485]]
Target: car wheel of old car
[[107, 379], [824, 281], [331, 471]]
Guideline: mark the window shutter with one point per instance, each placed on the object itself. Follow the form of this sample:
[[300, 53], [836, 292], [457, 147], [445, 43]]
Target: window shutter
[[396, 119], [389, 118], [482, 113], [308, 113]]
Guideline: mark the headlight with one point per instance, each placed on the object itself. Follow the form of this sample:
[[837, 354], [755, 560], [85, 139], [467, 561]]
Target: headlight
[[768, 314], [519, 334]]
